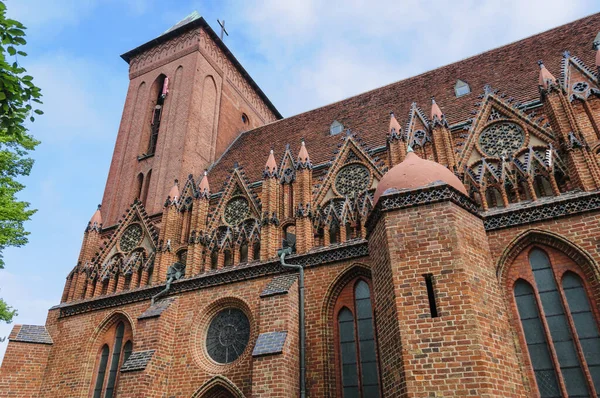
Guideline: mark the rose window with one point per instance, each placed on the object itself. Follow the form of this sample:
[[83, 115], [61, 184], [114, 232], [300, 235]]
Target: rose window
[[352, 179], [236, 211], [131, 237], [228, 335], [501, 139]]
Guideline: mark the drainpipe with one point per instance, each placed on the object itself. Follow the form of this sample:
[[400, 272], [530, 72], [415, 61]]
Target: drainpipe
[[282, 253]]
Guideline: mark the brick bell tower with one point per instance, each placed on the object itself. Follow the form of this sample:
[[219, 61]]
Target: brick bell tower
[[188, 99]]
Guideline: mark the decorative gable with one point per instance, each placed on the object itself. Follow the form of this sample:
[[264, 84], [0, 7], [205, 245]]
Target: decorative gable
[[500, 129], [131, 247], [237, 204], [578, 81]]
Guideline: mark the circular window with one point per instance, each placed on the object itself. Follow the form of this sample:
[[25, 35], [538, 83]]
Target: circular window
[[236, 211], [228, 335], [352, 179], [245, 119], [501, 139], [131, 237]]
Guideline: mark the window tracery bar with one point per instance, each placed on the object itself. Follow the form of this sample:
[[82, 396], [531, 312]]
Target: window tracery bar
[[366, 341], [585, 324], [558, 325], [535, 337], [348, 354], [101, 372], [114, 364]]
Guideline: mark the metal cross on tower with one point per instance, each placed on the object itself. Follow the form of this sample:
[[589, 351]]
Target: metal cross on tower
[[222, 24]]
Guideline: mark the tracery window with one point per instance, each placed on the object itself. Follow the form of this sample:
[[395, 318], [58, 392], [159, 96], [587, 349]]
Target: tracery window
[[236, 210], [116, 348], [352, 179], [559, 328], [228, 335], [356, 346], [501, 139]]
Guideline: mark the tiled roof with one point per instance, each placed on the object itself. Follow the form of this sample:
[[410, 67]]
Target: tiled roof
[[269, 343], [137, 361], [157, 308], [280, 284], [512, 69], [33, 334]]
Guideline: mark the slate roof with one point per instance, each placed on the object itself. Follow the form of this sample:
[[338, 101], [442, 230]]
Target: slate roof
[[269, 343], [280, 284], [157, 309], [33, 334], [137, 361], [511, 68]]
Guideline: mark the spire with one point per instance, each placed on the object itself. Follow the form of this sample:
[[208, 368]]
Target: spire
[[204, 188], [435, 110], [271, 166], [546, 78], [303, 158], [96, 220], [394, 125], [174, 193]]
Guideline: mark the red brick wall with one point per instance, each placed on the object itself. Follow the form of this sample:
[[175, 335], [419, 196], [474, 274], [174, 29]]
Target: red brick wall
[[467, 350], [22, 371], [201, 116]]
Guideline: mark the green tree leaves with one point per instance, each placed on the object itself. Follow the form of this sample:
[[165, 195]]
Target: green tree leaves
[[19, 98]]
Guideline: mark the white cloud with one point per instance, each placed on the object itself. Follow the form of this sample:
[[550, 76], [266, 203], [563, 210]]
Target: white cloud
[[335, 49]]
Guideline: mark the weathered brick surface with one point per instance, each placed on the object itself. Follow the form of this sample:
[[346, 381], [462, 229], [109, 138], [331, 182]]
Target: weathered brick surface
[[466, 351], [475, 347]]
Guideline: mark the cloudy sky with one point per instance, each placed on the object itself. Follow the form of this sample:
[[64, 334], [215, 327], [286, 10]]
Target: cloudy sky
[[303, 54]]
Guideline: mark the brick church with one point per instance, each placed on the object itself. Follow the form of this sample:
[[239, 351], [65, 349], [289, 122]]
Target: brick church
[[439, 236]]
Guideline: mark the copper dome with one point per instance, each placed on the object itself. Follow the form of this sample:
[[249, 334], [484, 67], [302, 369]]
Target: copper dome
[[414, 173]]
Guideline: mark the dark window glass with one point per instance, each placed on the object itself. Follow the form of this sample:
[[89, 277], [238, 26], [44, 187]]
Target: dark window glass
[[244, 253], [114, 363], [214, 259], [101, 372], [334, 229], [127, 348], [558, 324], [228, 335], [366, 339], [535, 337], [348, 354], [585, 324], [228, 258], [256, 251]]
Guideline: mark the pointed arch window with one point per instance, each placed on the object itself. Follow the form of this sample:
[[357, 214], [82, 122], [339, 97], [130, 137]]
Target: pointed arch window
[[356, 346], [256, 250], [116, 349], [244, 252], [560, 329], [160, 90]]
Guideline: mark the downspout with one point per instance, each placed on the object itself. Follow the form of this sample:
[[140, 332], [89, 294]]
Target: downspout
[[282, 253]]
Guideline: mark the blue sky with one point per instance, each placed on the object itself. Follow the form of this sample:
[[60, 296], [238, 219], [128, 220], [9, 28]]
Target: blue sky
[[303, 54]]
